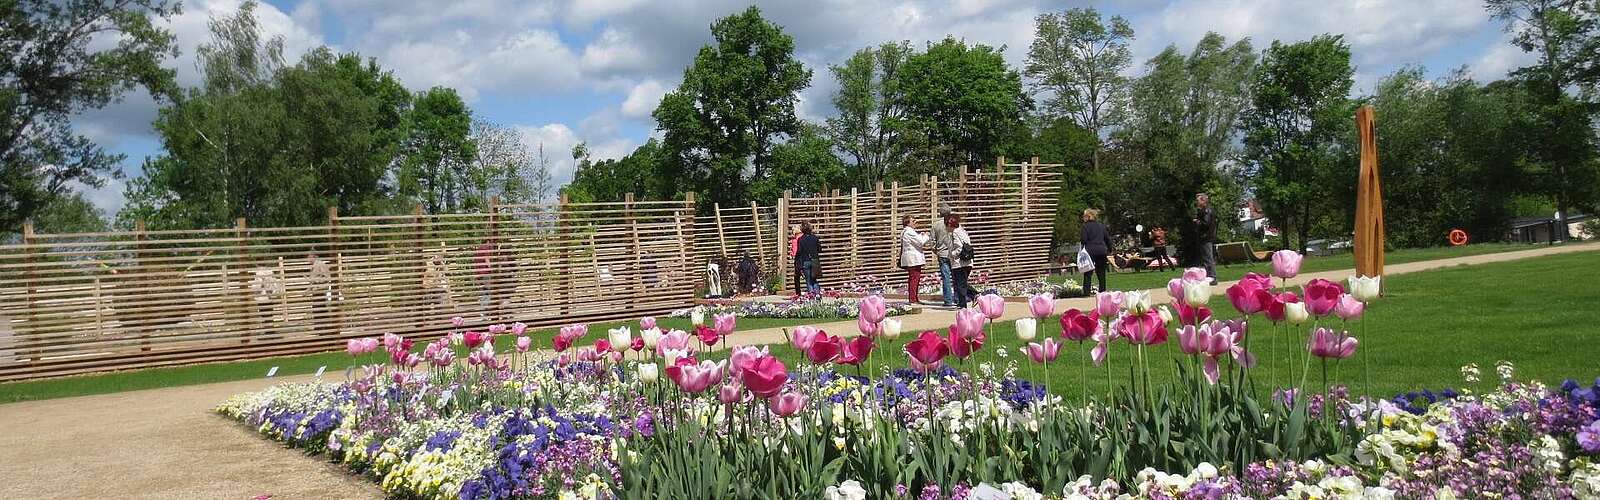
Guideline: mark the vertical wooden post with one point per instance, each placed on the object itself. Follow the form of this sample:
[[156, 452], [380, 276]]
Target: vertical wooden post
[[855, 238], [638, 261], [1027, 169], [783, 238], [283, 298], [721, 240], [686, 219], [421, 231], [1006, 222], [33, 289], [252, 311], [564, 257], [755, 220], [498, 294], [894, 220], [932, 185], [336, 285]]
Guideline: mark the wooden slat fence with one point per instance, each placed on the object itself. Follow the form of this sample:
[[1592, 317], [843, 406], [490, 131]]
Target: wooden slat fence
[[79, 303]]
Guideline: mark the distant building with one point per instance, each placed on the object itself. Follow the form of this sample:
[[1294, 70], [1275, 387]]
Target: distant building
[[1254, 222], [1540, 229]]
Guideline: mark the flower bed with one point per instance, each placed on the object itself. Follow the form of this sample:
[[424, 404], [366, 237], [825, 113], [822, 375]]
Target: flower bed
[[932, 285], [801, 307], [600, 420]]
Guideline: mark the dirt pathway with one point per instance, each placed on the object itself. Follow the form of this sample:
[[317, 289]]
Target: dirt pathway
[[166, 443]]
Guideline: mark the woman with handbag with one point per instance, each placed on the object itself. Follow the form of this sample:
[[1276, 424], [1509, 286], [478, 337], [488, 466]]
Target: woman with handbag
[[1097, 244], [961, 255], [911, 257]]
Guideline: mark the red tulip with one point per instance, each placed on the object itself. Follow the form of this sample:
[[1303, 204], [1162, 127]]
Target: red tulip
[[1192, 315], [474, 339], [743, 357], [1274, 310], [766, 376], [1322, 296], [856, 351], [1147, 328], [1075, 325], [928, 349], [1249, 297], [707, 335], [638, 344], [963, 346], [602, 345], [824, 349]]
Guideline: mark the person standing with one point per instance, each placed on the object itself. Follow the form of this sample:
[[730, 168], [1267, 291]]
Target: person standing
[[911, 258], [794, 248], [1205, 222], [1158, 239], [808, 252], [961, 253], [942, 241], [1097, 242]]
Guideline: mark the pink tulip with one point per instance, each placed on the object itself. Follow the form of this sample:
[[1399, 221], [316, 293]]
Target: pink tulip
[[992, 306], [1275, 310], [962, 346], [676, 340], [825, 349], [1043, 352], [1286, 263], [1075, 325], [969, 322], [788, 404], [873, 309], [867, 328], [354, 346], [1260, 280], [1192, 315], [1322, 296], [855, 351], [1349, 308], [744, 357], [694, 378], [647, 323], [523, 343], [730, 393], [1107, 304], [707, 335], [1146, 328], [390, 340], [562, 341], [637, 344], [518, 328], [412, 360], [927, 351], [483, 356], [400, 378], [1102, 344], [1196, 274], [724, 324], [442, 358], [563, 360], [474, 339], [766, 377], [1042, 305], [457, 321], [497, 329], [575, 332], [1325, 343], [1175, 289], [803, 336], [1218, 340], [1248, 297]]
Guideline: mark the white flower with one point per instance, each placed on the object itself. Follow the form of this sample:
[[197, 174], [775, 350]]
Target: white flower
[[1206, 470], [1027, 329], [1165, 313], [621, 338], [890, 328], [848, 490], [1295, 313], [1136, 302], [1364, 288], [1196, 293], [648, 373], [651, 337], [698, 316], [1506, 370], [1470, 373]]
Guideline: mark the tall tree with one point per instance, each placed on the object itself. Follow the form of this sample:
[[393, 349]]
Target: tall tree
[[1181, 126], [870, 110], [57, 62], [735, 102], [1078, 58], [805, 164], [611, 180], [439, 152], [1294, 130], [503, 166], [962, 97], [1565, 37], [348, 119]]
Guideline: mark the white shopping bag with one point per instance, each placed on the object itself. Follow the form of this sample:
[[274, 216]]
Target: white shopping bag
[[1085, 262]]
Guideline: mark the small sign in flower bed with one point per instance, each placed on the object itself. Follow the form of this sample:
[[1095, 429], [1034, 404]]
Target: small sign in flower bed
[[658, 415]]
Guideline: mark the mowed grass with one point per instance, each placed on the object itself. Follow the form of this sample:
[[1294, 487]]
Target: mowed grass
[[1143, 280], [334, 362], [1538, 313]]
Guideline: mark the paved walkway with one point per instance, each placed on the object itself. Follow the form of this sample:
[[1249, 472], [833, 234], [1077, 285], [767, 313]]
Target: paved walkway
[[166, 443]]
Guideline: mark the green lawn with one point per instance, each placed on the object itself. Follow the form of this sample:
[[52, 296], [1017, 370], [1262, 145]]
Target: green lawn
[[1537, 313], [1158, 279], [335, 362]]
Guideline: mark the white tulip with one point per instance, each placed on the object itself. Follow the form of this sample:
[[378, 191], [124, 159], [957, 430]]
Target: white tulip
[[1136, 302], [671, 355], [697, 316], [1365, 289], [1166, 314], [621, 338], [890, 328], [648, 373], [651, 337], [1196, 293], [1027, 328], [1295, 313]]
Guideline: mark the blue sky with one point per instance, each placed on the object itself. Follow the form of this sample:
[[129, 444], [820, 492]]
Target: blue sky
[[564, 71]]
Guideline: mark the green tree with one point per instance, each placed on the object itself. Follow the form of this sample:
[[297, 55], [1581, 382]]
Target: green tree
[[348, 118], [1565, 37], [71, 213], [439, 153], [1078, 58], [61, 58], [870, 110], [1180, 129], [805, 164], [1294, 132], [962, 97], [612, 179], [736, 101]]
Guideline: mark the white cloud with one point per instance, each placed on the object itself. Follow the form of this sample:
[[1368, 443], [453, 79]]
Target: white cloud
[[1499, 60], [643, 98]]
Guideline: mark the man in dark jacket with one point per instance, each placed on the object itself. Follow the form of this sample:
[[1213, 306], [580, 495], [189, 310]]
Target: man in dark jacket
[[1205, 222], [808, 253]]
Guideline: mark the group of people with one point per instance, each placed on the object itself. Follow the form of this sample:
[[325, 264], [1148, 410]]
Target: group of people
[[948, 242], [1096, 240]]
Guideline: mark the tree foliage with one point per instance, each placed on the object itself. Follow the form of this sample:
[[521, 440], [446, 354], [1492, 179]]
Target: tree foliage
[[52, 69], [437, 170], [869, 127], [1078, 59], [963, 97]]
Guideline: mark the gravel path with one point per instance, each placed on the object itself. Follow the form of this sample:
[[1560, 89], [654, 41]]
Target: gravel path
[[166, 443]]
